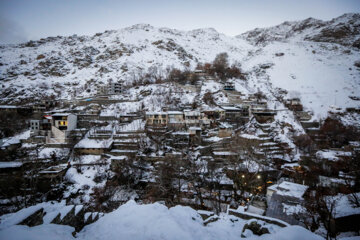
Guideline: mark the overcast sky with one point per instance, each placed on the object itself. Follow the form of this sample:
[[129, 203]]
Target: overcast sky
[[22, 20]]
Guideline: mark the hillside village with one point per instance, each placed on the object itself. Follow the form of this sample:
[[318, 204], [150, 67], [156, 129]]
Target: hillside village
[[197, 138]]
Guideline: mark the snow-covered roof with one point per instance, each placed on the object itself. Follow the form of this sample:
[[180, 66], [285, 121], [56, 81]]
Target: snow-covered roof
[[343, 206], [224, 153], [194, 128], [249, 136], [230, 108], [10, 164], [156, 113], [119, 158], [191, 113], [8, 106], [225, 125], [54, 169], [175, 113], [94, 143], [289, 189], [9, 141], [62, 114], [332, 155], [87, 159], [207, 108], [180, 133], [212, 139]]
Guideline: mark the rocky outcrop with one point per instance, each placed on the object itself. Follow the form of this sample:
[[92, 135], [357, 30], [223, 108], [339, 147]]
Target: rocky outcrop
[[71, 215], [256, 227], [34, 219]]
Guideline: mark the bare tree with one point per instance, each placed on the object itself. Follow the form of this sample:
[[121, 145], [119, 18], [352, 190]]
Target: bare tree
[[220, 64], [321, 210], [246, 166], [197, 178]]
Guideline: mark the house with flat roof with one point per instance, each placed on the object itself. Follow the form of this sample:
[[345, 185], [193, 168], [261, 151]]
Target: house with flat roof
[[156, 118], [176, 119], [40, 127], [93, 146], [229, 86], [61, 126], [192, 118], [285, 201], [236, 113]]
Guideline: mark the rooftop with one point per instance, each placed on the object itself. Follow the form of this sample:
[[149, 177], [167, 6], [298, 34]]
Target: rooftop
[[289, 189], [62, 114], [10, 164], [94, 143]]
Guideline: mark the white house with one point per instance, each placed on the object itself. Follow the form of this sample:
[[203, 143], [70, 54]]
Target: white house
[[61, 126]]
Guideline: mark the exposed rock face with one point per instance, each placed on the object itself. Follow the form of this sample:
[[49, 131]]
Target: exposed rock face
[[343, 30], [74, 217]]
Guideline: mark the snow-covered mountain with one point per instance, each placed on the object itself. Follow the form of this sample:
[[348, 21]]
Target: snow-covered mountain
[[343, 30], [312, 59]]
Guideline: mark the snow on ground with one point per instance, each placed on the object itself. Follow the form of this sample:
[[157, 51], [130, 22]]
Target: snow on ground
[[132, 221], [293, 209], [210, 86], [135, 125], [15, 139], [41, 232], [46, 152], [151, 221], [83, 182], [121, 108], [87, 159], [352, 119]]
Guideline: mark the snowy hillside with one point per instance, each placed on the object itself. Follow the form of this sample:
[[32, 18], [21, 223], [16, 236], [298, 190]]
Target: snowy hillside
[[312, 59], [119, 55], [320, 74]]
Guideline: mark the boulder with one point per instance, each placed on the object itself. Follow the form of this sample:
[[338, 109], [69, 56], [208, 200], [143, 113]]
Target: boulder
[[256, 227]]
